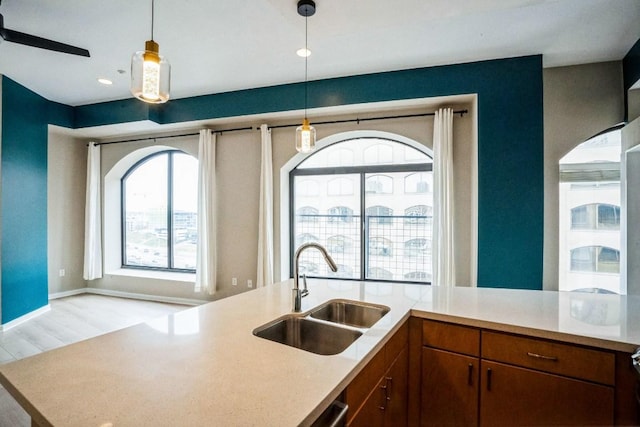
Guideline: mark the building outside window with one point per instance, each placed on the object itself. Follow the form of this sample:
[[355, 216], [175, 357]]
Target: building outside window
[[365, 213], [159, 212], [589, 213]]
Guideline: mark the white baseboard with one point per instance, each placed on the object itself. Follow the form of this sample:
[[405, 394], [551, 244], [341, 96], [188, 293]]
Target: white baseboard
[[26, 317], [144, 297], [65, 294]]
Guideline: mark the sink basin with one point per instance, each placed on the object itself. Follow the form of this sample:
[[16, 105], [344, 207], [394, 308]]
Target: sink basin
[[306, 334], [352, 313]]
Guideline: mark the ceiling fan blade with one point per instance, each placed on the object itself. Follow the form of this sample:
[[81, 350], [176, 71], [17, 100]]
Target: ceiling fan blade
[[39, 42]]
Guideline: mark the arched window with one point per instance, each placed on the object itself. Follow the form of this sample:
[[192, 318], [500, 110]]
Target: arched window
[[379, 184], [595, 259], [418, 214], [595, 216], [364, 229], [159, 212], [380, 214], [306, 238], [417, 247], [378, 154], [340, 187], [418, 275], [339, 244], [589, 214], [340, 214], [376, 273], [379, 246], [307, 214], [307, 188], [417, 183]]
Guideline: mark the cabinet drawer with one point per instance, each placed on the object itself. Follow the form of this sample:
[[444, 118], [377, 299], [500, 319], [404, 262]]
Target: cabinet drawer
[[447, 336], [552, 357]]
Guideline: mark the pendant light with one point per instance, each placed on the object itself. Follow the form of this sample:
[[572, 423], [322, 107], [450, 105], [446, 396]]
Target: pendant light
[[306, 134], [150, 72]]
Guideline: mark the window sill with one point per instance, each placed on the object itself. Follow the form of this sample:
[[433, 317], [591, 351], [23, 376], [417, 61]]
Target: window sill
[[150, 274]]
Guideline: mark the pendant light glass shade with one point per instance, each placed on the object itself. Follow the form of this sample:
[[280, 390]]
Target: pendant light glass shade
[[305, 137], [150, 75]]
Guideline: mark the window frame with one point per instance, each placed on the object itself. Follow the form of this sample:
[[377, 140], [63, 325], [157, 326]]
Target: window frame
[[362, 171], [170, 213]]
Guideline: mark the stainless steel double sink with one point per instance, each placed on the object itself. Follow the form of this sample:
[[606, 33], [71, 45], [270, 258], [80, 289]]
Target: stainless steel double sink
[[327, 329]]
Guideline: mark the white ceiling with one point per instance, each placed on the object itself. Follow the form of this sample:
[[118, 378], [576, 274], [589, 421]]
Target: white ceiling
[[222, 45]]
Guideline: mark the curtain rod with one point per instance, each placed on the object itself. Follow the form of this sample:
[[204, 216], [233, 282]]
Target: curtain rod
[[220, 132], [357, 120]]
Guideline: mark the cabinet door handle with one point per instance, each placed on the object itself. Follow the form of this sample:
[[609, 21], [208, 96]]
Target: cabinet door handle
[[389, 381], [385, 396], [489, 372], [542, 356], [470, 376]]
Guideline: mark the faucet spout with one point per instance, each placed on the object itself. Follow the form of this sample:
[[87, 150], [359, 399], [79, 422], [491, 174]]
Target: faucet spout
[[298, 293]]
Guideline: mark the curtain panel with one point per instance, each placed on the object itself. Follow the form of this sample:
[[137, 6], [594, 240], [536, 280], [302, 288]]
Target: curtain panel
[[265, 225], [443, 254], [93, 217], [206, 268]]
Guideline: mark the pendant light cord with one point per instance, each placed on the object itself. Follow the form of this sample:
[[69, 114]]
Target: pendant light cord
[[306, 57], [152, 7]]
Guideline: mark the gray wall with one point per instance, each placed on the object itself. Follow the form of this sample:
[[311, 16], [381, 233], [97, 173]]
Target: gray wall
[[238, 174], [579, 102], [66, 178]]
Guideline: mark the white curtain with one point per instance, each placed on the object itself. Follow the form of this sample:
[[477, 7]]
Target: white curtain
[[443, 236], [93, 217], [206, 252], [265, 224]]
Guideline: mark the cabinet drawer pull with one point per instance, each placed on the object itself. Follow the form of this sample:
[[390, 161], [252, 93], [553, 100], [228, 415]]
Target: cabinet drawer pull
[[489, 371], [389, 381], [470, 376], [542, 356], [385, 396]]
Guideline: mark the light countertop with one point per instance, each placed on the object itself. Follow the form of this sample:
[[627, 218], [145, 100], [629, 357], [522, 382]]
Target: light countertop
[[204, 366]]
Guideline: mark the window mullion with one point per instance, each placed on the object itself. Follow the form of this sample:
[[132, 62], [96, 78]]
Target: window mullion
[[170, 210], [364, 230]]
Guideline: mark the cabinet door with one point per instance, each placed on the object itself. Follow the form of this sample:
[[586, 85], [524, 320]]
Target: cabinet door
[[518, 396], [449, 389], [397, 392], [371, 413]]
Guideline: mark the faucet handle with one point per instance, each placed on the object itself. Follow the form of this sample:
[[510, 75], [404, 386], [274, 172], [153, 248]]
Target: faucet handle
[[305, 289]]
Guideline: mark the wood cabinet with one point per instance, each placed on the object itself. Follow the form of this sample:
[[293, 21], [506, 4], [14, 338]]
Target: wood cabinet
[[449, 388], [512, 395], [450, 374], [378, 395], [476, 377]]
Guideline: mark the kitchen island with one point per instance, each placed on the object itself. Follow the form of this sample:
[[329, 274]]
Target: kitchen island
[[204, 366]]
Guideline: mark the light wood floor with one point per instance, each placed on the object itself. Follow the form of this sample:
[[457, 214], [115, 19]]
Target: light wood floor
[[70, 320]]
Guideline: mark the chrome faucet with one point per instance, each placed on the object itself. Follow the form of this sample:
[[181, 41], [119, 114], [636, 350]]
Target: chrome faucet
[[298, 293]]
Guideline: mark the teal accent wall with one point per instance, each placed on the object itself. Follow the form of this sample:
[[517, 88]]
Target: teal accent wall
[[510, 134], [630, 73], [24, 201]]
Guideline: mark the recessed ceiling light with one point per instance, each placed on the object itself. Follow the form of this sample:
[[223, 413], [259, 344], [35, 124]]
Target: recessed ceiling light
[[104, 81], [303, 52]]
